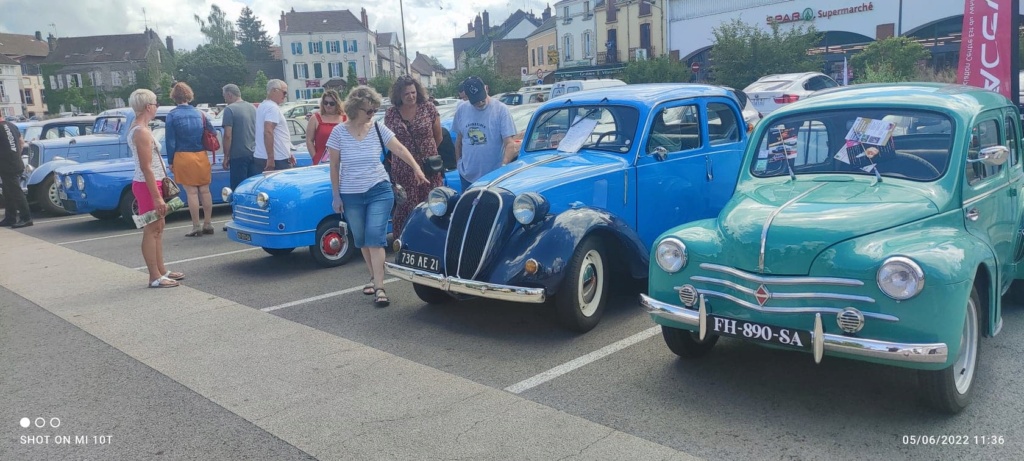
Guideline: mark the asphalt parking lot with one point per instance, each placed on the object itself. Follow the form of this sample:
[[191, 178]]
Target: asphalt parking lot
[[740, 402]]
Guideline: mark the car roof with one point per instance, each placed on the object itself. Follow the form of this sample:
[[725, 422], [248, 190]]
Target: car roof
[[64, 120], [953, 98], [793, 76], [645, 93]]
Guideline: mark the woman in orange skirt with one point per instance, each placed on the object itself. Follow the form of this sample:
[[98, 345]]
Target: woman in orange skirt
[[187, 158]]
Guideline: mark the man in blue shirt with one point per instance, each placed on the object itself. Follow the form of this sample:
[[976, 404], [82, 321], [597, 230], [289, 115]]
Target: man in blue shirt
[[484, 131]]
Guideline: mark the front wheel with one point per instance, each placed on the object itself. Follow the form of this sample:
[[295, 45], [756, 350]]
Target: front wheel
[[47, 197], [129, 207], [687, 344], [581, 298], [949, 390], [278, 251], [332, 248], [431, 295]]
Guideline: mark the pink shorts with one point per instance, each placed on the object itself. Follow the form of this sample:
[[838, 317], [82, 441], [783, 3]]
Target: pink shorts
[[142, 195]]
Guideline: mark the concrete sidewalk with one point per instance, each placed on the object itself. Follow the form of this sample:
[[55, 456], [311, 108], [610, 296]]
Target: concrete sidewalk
[[327, 396]]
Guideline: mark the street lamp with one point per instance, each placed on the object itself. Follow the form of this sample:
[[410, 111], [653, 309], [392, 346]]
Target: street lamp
[[405, 43]]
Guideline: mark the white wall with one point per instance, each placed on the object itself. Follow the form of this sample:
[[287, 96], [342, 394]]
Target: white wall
[[576, 29]]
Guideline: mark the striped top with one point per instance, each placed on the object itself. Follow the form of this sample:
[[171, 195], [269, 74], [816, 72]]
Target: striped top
[[156, 164], [361, 166]]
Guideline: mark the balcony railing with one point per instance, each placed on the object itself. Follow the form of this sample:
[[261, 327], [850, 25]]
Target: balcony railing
[[603, 57]]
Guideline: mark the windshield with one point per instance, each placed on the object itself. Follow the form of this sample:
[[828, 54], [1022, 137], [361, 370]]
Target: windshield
[[614, 131], [896, 143], [32, 133], [108, 125]]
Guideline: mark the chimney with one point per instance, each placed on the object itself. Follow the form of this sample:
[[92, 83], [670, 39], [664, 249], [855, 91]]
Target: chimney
[[546, 14], [487, 23], [170, 44], [366, 20], [282, 24], [39, 36], [470, 27], [478, 26], [52, 42]]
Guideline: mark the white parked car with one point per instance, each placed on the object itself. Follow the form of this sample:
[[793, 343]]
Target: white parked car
[[774, 91]]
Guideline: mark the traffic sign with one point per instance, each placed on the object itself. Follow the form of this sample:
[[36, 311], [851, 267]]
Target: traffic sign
[[695, 67]]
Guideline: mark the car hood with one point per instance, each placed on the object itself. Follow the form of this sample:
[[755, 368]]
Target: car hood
[[291, 179], [86, 140], [98, 167], [539, 172], [799, 220]]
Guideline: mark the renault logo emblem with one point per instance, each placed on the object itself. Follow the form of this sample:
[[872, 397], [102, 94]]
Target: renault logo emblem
[[762, 294]]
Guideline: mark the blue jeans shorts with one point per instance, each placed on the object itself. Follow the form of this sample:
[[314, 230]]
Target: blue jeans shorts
[[368, 213]]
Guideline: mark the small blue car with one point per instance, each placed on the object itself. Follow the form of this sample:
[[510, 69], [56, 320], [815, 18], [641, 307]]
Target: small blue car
[[283, 210], [600, 175]]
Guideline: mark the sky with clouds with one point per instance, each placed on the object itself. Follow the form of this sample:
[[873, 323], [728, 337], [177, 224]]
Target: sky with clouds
[[430, 25]]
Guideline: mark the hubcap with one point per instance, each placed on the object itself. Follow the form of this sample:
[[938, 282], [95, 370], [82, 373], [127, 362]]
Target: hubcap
[[135, 207], [966, 360], [54, 197], [590, 283], [332, 244]]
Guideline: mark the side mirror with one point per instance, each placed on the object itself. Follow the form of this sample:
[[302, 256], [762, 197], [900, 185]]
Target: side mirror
[[660, 153], [992, 156]]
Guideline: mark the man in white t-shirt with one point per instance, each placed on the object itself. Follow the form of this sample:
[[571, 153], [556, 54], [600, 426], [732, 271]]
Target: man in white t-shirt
[[484, 131], [272, 138]]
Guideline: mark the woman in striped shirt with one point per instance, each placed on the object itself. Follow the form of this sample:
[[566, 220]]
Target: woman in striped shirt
[[363, 188]]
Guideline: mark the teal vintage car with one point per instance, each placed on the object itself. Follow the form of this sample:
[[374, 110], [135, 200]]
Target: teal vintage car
[[879, 223]]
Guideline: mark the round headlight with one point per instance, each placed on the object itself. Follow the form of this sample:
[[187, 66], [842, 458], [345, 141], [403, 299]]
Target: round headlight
[[225, 194], [900, 278], [67, 182], [262, 199], [529, 207], [80, 182], [437, 200], [671, 255]]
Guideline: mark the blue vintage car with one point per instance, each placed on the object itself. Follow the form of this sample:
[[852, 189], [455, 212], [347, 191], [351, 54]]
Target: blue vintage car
[[104, 188], [601, 174], [284, 210], [887, 230]]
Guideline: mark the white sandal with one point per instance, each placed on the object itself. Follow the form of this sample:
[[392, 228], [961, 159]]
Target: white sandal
[[163, 282]]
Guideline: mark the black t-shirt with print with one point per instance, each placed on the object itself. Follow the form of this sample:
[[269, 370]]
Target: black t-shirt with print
[[10, 156]]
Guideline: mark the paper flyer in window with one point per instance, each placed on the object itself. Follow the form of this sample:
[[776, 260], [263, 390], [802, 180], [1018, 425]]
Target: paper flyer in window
[[783, 147], [578, 134], [871, 131]]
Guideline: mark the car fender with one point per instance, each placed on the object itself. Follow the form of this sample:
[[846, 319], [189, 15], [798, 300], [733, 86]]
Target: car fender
[[552, 242], [46, 169]]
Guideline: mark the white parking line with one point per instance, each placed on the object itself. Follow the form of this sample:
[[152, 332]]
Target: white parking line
[[131, 233], [70, 218], [564, 368], [318, 298], [203, 257]]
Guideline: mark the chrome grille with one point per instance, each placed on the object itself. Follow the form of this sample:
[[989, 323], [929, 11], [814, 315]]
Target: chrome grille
[[472, 226], [850, 320], [688, 295], [250, 215], [33, 157]]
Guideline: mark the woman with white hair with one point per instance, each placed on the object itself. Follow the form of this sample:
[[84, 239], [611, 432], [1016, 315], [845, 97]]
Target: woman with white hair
[[149, 172]]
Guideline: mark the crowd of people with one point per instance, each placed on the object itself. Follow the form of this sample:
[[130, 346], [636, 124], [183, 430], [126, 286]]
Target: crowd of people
[[343, 133]]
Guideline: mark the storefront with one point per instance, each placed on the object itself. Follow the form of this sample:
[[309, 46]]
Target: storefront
[[846, 26], [589, 72]]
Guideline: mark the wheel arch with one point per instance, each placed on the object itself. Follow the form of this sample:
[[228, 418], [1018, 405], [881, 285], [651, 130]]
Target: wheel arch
[[989, 297]]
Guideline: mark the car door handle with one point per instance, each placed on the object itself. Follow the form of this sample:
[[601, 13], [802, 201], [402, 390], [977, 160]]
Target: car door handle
[[710, 166], [973, 214]]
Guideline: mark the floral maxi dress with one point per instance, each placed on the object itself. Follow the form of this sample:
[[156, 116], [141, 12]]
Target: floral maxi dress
[[417, 135]]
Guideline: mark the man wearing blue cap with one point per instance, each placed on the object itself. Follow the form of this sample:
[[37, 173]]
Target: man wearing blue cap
[[484, 131]]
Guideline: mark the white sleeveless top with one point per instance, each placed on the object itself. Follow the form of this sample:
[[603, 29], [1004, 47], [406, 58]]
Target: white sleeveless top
[[156, 164]]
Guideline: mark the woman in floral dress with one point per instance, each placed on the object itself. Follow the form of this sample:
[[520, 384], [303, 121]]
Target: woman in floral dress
[[414, 120]]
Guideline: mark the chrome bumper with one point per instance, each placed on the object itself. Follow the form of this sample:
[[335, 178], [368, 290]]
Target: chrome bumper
[[821, 342], [467, 287]]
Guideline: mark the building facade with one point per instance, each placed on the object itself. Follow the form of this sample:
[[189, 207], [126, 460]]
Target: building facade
[[478, 43], [543, 51], [29, 51], [10, 87], [322, 48], [33, 103], [390, 60], [846, 27], [576, 31], [427, 71]]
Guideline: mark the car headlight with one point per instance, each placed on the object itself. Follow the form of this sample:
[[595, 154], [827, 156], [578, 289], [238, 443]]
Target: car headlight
[[529, 208], [437, 200], [671, 255], [900, 278], [225, 194], [67, 182], [262, 199], [80, 182]]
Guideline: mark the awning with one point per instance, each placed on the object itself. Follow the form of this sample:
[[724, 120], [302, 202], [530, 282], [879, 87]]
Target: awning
[[575, 73]]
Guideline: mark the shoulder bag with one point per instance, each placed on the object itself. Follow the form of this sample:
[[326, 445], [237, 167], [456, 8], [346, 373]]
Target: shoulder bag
[[400, 194], [210, 141]]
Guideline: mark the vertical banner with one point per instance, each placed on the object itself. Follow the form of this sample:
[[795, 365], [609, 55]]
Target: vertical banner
[[984, 61]]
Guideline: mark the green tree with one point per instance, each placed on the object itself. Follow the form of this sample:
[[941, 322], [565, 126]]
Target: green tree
[[257, 90], [253, 41], [496, 83], [351, 81], [657, 70], [743, 52], [209, 68], [894, 59], [382, 83], [217, 29]]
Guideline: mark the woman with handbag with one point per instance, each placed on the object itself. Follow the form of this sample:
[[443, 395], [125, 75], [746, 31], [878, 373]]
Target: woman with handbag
[[363, 191], [415, 121], [185, 128], [147, 186], [320, 125]]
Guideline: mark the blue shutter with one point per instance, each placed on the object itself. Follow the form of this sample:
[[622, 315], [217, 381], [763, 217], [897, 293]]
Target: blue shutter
[[295, 71], [355, 46]]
